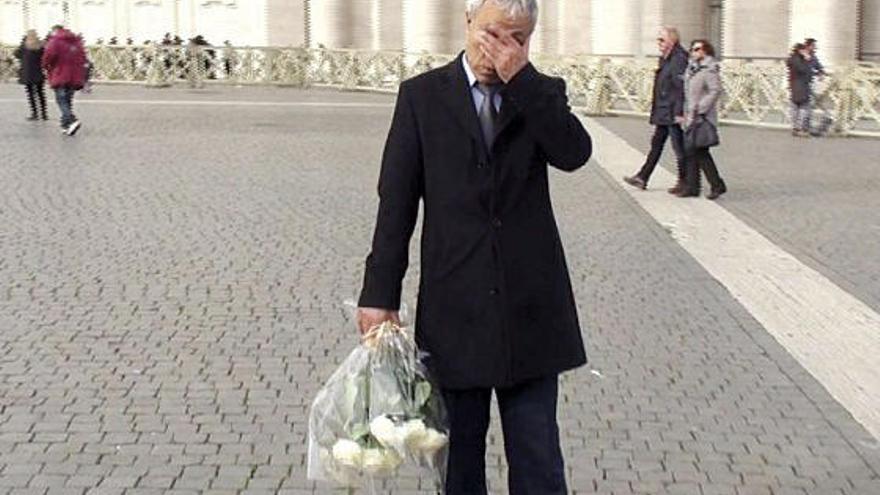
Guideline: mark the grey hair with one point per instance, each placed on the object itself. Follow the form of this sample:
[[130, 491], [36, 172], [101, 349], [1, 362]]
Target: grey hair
[[514, 8]]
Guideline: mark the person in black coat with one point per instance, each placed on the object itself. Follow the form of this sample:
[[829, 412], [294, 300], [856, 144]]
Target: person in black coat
[[800, 79], [30, 74], [472, 141], [667, 109]]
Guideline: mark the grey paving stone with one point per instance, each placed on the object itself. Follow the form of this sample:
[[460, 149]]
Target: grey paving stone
[[170, 301]]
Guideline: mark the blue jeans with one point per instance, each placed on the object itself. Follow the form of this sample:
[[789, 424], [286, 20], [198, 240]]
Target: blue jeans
[[531, 438], [64, 97]]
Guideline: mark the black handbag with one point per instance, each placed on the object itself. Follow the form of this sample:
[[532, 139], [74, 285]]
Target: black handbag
[[701, 134]]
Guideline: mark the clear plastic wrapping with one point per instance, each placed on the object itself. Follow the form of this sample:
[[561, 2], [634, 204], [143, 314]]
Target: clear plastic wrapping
[[378, 411]]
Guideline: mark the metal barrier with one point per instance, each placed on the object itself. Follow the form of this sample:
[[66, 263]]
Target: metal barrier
[[756, 92]]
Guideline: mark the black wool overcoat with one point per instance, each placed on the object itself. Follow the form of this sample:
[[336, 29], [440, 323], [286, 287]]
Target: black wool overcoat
[[668, 97], [800, 78], [30, 71], [495, 304]]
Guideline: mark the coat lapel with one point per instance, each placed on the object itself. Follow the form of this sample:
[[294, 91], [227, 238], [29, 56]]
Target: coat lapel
[[457, 93], [461, 103], [508, 112]]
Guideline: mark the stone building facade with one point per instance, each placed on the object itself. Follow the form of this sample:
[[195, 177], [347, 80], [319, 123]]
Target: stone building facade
[[847, 29]]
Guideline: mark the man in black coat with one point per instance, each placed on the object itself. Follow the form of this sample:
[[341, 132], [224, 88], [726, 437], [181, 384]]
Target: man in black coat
[[667, 109], [472, 141]]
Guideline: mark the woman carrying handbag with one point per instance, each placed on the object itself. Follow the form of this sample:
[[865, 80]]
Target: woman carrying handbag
[[702, 90]]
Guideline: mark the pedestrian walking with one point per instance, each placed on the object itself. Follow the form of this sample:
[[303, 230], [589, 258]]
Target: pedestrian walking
[[472, 141], [702, 91], [65, 63], [800, 79], [812, 46], [667, 109], [30, 73]]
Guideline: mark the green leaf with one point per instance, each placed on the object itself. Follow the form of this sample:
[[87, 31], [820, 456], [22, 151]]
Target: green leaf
[[423, 393], [359, 431]]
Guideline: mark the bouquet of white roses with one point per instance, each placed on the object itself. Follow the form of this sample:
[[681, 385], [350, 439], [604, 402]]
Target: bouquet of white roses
[[378, 410]]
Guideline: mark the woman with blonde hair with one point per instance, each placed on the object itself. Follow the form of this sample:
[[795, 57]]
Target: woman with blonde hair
[[30, 73]]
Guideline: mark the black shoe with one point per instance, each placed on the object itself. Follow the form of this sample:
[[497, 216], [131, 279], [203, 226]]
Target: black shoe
[[45, 117], [72, 128], [715, 193], [677, 188], [684, 193], [636, 181], [32, 118]]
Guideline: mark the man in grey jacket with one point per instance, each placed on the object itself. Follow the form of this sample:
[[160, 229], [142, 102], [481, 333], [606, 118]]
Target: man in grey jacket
[[667, 108]]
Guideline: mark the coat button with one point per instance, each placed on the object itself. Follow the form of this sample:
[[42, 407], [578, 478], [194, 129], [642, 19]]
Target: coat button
[[481, 164], [496, 222], [493, 292]]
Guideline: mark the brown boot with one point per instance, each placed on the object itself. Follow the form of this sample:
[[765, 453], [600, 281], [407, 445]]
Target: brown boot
[[677, 188]]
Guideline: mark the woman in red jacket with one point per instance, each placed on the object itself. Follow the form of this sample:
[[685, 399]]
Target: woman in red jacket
[[65, 63]]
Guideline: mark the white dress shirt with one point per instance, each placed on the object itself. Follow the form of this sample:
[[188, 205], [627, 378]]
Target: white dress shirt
[[476, 94]]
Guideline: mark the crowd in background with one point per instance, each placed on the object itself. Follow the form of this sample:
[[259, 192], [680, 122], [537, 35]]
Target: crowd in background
[[803, 65]]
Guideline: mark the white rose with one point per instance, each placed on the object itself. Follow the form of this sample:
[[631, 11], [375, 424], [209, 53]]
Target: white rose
[[432, 442], [413, 433], [383, 430], [380, 462], [348, 453]]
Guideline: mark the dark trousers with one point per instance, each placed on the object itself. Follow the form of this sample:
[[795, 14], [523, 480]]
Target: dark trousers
[[661, 133], [36, 94], [701, 159], [531, 439], [64, 97]]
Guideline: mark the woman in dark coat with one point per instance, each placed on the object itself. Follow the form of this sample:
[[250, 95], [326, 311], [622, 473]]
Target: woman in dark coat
[[800, 78], [30, 73]]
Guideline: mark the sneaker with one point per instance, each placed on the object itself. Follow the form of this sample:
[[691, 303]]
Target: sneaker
[[71, 130]]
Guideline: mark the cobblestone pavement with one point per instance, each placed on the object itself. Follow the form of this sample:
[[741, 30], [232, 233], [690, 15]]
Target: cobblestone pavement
[[171, 289], [816, 198]]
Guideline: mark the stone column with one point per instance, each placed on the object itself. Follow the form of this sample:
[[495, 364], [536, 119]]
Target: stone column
[[616, 27], [434, 26], [364, 24], [344, 23], [391, 25], [331, 23], [834, 23], [575, 27], [547, 36], [688, 16], [13, 21], [755, 29], [287, 22], [870, 36], [94, 19]]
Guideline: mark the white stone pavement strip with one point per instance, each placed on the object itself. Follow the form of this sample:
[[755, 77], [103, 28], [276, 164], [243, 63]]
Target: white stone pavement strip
[[832, 334], [220, 103]]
